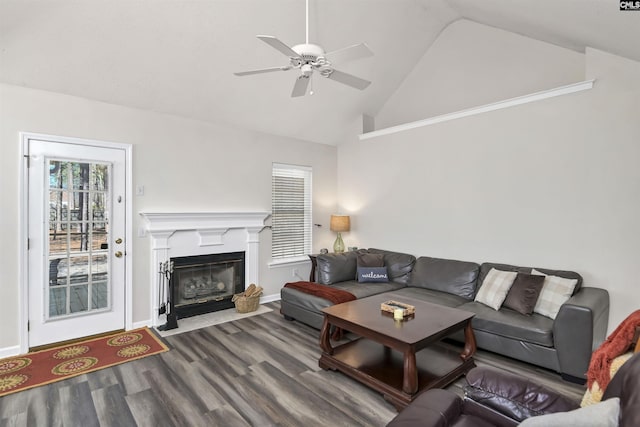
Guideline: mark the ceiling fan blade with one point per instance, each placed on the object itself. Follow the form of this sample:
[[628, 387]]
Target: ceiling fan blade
[[300, 87], [356, 51], [277, 44], [263, 70], [349, 79]]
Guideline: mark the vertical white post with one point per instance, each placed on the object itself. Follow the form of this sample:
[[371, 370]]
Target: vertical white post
[[252, 256], [160, 253]]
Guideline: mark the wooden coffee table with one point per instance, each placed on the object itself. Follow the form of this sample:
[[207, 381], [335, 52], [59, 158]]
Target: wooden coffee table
[[397, 358]]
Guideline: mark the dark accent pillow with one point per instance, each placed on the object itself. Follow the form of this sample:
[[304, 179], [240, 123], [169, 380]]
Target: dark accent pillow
[[524, 293], [370, 260], [372, 274]]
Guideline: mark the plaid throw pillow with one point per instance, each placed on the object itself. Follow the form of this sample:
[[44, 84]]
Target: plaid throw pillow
[[495, 287], [555, 292]]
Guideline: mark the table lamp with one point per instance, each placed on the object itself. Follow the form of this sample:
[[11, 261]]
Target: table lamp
[[339, 223]]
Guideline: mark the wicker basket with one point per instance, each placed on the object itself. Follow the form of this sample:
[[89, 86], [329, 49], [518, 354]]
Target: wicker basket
[[248, 301], [246, 304]]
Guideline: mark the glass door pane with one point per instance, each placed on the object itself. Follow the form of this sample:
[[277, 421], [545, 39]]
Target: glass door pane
[[78, 197]]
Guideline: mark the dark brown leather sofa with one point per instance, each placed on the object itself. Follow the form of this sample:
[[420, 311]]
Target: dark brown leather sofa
[[498, 398]]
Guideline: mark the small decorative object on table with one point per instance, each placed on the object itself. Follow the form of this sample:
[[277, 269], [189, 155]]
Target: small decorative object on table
[[248, 300], [391, 306], [324, 251]]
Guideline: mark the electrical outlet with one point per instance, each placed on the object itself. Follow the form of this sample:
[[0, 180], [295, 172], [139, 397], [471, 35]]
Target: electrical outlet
[[294, 272]]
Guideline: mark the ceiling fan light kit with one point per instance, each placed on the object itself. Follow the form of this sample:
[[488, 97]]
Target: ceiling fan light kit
[[308, 57]]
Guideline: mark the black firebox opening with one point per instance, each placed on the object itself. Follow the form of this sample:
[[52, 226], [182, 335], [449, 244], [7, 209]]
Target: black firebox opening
[[205, 283]]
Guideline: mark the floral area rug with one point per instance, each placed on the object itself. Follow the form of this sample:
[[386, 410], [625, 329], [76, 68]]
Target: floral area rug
[[59, 363]]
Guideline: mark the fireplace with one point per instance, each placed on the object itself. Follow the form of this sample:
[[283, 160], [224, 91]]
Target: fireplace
[[192, 237], [205, 283]]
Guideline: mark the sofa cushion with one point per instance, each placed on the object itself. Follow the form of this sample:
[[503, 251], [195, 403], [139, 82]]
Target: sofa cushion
[[524, 292], [495, 287], [409, 294], [398, 265], [334, 268], [446, 275], [314, 303], [370, 289], [485, 267], [535, 329]]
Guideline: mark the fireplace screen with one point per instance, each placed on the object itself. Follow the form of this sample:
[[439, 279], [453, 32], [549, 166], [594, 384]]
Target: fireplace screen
[[206, 282]]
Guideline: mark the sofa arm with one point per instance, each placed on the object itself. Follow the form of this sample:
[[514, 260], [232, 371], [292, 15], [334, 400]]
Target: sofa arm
[[579, 328], [433, 408], [513, 395]]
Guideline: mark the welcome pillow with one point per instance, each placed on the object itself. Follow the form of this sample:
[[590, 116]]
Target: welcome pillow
[[495, 287], [372, 274]]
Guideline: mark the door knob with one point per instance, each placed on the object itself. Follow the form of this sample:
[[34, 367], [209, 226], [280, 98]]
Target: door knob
[[118, 240], [118, 254]]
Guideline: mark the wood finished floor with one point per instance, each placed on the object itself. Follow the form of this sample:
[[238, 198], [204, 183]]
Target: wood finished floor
[[257, 371]]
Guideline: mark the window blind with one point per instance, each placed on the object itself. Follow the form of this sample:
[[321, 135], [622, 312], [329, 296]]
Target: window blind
[[290, 211]]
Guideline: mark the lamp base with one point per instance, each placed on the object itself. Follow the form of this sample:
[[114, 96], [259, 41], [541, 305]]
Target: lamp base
[[338, 245]]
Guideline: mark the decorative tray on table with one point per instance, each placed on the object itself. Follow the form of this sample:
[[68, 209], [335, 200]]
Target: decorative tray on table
[[391, 305]]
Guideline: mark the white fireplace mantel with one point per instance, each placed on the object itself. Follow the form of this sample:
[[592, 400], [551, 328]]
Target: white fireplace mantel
[[162, 224], [175, 234]]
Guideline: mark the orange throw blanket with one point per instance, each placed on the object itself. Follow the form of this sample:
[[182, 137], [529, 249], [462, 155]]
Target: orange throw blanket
[[329, 293], [616, 344]]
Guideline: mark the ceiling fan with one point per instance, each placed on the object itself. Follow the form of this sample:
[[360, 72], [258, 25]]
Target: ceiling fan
[[309, 57]]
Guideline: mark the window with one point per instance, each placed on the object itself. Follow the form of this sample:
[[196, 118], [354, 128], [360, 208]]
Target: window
[[291, 211]]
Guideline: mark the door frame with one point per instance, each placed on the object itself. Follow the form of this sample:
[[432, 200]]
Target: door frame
[[23, 225]]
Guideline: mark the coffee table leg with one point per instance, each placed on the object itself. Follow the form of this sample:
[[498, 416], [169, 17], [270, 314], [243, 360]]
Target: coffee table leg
[[469, 342], [410, 380], [325, 341]]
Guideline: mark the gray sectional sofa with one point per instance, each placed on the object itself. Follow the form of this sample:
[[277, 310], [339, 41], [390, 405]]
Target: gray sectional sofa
[[563, 345]]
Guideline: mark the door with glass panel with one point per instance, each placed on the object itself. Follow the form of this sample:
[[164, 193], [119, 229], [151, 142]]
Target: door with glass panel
[[76, 241]]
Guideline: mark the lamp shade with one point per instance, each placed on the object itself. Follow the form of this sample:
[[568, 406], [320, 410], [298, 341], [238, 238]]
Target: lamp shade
[[340, 223]]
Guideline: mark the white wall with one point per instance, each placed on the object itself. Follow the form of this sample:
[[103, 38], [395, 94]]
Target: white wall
[[554, 184], [471, 64], [183, 165]]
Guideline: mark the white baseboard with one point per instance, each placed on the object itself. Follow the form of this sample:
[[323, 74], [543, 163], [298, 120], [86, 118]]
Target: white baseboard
[[141, 324], [269, 298], [9, 351]]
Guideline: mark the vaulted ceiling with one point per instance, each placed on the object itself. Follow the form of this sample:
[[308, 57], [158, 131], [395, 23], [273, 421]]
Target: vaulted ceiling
[[178, 56]]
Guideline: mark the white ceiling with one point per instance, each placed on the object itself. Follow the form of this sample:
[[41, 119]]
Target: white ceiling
[[178, 57]]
